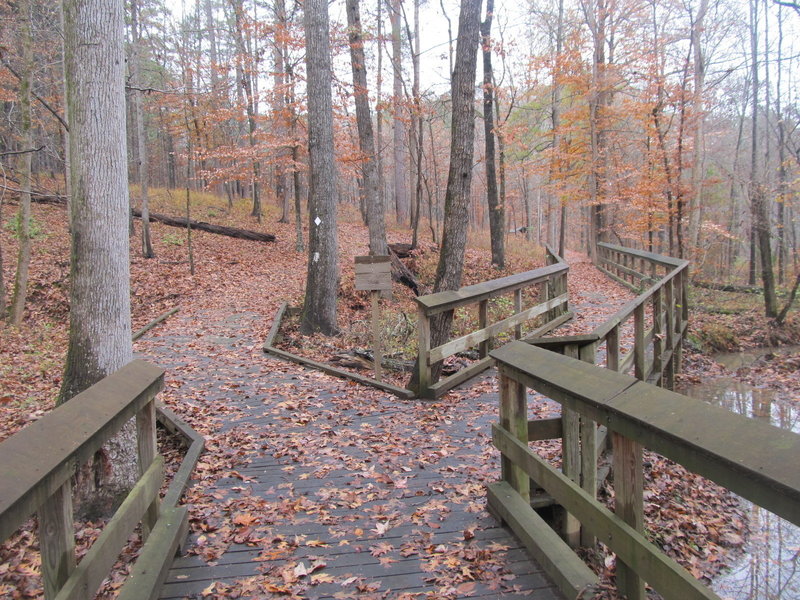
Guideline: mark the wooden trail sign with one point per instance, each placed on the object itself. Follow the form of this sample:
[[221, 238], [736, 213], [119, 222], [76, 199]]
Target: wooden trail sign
[[374, 274]]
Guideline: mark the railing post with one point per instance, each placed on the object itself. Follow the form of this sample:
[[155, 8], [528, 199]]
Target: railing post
[[424, 349], [612, 349], [658, 334], [588, 435], [639, 355], [549, 293], [483, 322], [57, 539], [682, 314], [669, 370], [517, 310], [514, 418], [146, 445], [571, 455], [628, 505]]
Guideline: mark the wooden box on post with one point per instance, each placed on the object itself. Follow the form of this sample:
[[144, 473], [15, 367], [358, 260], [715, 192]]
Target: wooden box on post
[[374, 274]]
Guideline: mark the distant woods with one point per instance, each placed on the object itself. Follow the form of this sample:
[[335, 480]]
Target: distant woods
[[671, 128]]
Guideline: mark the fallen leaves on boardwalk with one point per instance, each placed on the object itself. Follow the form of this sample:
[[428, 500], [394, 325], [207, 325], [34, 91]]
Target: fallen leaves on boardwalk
[[312, 486]]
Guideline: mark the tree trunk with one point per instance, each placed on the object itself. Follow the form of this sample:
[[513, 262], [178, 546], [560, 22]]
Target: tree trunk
[[762, 228], [698, 165], [279, 110], [596, 13], [379, 110], [26, 139], [751, 279], [376, 218], [100, 324], [459, 179], [398, 127], [554, 173], [319, 307], [142, 163], [417, 139], [783, 182], [497, 217], [251, 104]]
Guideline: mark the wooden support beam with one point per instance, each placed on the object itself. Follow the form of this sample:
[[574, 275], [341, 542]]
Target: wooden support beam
[[57, 539], [424, 371], [666, 576], [155, 559], [483, 323], [96, 564], [514, 418], [146, 446], [639, 347], [629, 505], [572, 577]]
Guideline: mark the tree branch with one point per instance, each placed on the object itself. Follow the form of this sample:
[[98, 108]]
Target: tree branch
[[38, 98], [788, 4], [785, 310], [13, 152]]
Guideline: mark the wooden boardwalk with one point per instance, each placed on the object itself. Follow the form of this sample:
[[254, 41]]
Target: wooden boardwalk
[[318, 488]]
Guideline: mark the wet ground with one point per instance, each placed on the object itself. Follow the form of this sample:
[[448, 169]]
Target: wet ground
[[770, 566]]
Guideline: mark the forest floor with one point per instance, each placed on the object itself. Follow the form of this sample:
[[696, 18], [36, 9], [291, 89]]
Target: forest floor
[[699, 524]]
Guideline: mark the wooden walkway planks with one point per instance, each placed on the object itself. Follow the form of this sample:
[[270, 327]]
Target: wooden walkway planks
[[387, 494]]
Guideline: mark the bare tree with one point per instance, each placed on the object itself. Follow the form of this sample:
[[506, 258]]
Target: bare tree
[[26, 138], [319, 307], [398, 123], [376, 218], [497, 217], [142, 162], [251, 99], [459, 179], [100, 313]]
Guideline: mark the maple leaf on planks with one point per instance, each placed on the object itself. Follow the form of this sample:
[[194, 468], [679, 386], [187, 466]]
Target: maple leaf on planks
[[380, 549]]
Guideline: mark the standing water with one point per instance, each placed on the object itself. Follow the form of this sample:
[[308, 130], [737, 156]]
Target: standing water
[[770, 566]]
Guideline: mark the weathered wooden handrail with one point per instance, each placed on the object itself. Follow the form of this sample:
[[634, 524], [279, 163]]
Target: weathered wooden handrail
[[555, 306], [36, 469], [659, 313], [751, 458]]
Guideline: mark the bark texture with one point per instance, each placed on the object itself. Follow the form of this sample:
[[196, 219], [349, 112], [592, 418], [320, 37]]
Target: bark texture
[[319, 307], [398, 123], [142, 161], [376, 218], [100, 324], [26, 139], [459, 179], [497, 215]]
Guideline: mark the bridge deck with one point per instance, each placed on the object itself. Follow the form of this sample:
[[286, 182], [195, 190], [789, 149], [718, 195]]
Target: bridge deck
[[317, 488], [347, 509]]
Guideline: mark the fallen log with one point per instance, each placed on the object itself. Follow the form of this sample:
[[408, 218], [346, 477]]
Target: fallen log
[[725, 287], [402, 249], [402, 274], [241, 234], [163, 316]]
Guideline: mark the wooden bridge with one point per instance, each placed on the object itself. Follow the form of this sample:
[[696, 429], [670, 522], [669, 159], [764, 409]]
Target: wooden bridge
[[343, 493]]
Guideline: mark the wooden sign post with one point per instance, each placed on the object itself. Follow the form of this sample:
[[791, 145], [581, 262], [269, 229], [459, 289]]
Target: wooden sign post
[[374, 274]]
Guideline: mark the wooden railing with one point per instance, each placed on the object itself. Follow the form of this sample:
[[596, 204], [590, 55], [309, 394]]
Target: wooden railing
[[644, 336], [552, 280], [749, 457], [36, 469]]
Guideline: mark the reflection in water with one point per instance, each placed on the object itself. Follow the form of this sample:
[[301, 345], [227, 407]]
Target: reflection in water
[[770, 567]]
